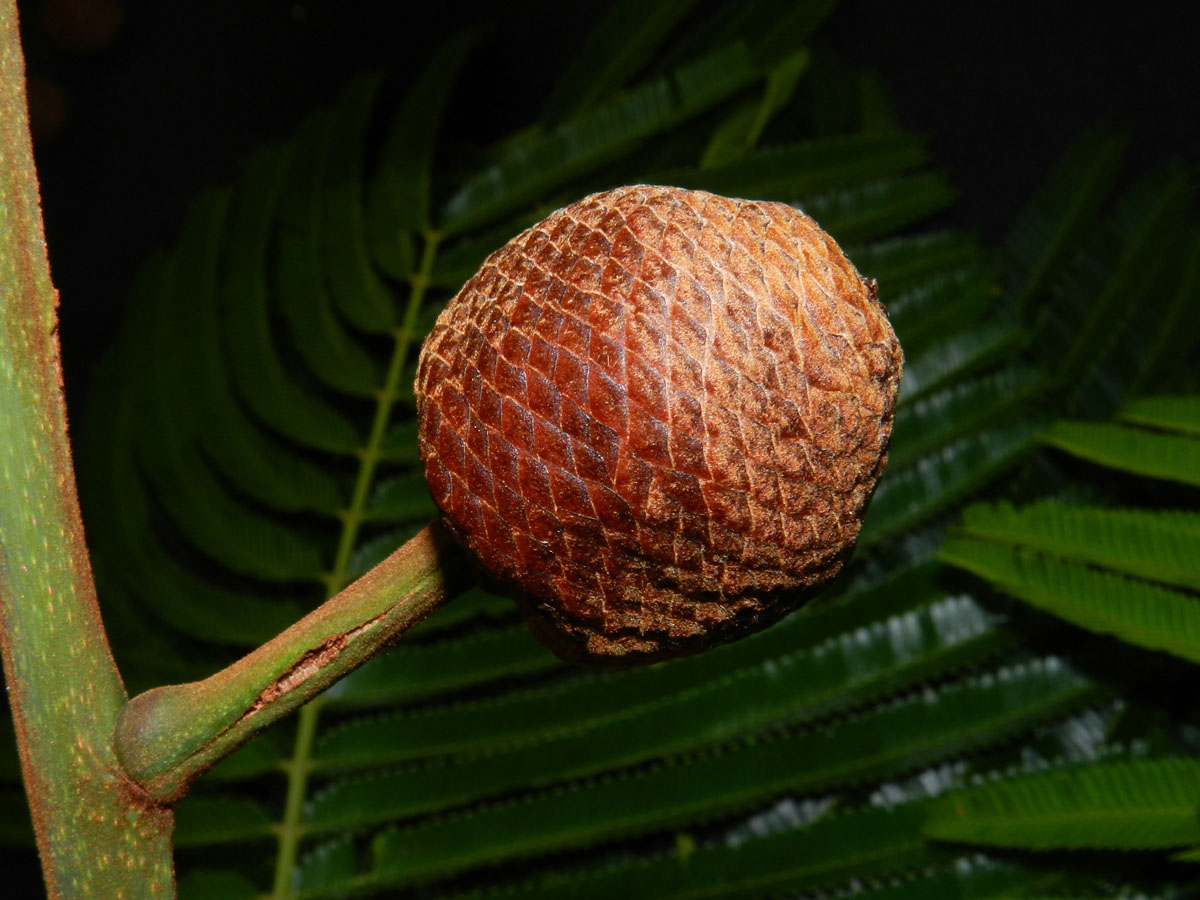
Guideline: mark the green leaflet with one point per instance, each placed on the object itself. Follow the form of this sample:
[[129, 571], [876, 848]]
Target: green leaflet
[[531, 168], [925, 314], [461, 259], [965, 406], [858, 606], [1166, 361], [894, 738], [1101, 601], [879, 208], [903, 263], [1149, 350], [587, 695], [197, 384], [1157, 545], [400, 444], [398, 205], [358, 292], [263, 381], [255, 758], [968, 879], [175, 600], [1168, 456], [402, 499], [411, 672], [772, 30], [621, 43], [327, 868], [1092, 316], [741, 131], [1060, 216], [807, 169], [871, 746], [834, 850], [792, 172], [329, 350], [964, 352], [211, 613], [799, 867], [476, 605], [218, 524], [912, 495], [587, 723], [218, 820], [1169, 413], [1144, 804]]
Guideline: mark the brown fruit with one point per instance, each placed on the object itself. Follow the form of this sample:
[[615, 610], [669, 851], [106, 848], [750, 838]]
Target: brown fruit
[[657, 416]]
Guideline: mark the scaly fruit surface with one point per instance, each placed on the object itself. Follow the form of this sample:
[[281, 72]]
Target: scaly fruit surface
[[657, 416]]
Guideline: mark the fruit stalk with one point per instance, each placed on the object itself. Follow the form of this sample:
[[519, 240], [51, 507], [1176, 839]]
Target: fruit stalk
[[168, 736]]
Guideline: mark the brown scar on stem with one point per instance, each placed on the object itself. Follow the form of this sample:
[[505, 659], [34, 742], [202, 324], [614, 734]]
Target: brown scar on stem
[[312, 654], [308, 665], [301, 671]]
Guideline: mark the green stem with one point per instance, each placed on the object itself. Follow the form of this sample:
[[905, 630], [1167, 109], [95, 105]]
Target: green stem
[[99, 836], [291, 830], [168, 736]]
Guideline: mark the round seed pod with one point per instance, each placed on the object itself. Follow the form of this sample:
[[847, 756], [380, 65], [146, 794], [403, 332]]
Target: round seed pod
[[657, 416]]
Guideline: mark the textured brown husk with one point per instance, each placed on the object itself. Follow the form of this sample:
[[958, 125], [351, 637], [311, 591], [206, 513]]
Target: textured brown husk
[[657, 416]]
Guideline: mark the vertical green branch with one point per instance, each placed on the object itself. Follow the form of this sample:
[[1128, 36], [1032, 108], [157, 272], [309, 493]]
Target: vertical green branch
[[97, 835]]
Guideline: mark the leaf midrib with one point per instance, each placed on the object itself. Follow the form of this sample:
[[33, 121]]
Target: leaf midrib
[[291, 830]]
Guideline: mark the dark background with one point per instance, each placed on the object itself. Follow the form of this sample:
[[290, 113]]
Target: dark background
[[186, 88]]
